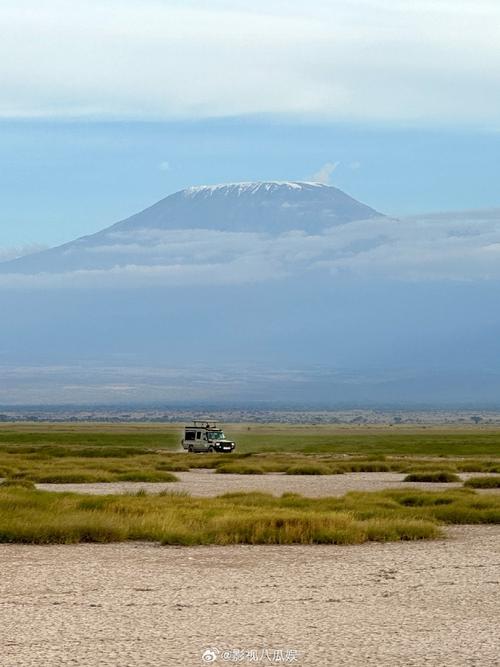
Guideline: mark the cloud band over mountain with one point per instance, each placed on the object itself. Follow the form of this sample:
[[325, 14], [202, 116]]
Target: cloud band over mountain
[[450, 248]]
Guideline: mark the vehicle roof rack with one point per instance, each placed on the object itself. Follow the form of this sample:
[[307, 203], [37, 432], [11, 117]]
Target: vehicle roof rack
[[205, 423]]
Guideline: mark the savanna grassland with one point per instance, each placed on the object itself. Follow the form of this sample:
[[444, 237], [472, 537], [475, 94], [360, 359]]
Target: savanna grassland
[[63, 453], [104, 453]]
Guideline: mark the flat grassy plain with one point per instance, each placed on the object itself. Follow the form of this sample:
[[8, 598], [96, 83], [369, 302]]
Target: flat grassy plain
[[150, 453]]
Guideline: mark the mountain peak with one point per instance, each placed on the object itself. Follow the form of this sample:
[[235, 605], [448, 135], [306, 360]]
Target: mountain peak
[[255, 206], [250, 187]]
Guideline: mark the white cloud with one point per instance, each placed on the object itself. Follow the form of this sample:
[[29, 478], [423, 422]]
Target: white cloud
[[354, 59], [454, 248], [243, 270], [7, 254], [324, 173], [164, 166]]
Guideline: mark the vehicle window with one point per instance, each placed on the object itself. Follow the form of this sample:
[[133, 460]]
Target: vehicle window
[[198, 435], [190, 435], [215, 435]]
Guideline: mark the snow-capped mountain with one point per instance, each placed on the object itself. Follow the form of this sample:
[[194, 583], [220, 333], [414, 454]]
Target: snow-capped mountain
[[274, 291], [152, 236], [270, 207]]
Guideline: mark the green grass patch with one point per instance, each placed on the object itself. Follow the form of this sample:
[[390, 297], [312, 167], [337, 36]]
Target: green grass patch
[[368, 442], [98, 438], [31, 516], [490, 482]]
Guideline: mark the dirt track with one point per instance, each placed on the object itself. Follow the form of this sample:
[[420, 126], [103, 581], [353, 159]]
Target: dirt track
[[389, 605]]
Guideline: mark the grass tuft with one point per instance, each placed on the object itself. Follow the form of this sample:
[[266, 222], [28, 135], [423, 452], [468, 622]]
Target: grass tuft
[[309, 469], [23, 483], [437, 476], [490, 482], [146, 476], [71, 477], [368, 466]]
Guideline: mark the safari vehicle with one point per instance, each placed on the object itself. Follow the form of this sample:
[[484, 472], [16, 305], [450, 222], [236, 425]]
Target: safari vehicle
[[206, 436]]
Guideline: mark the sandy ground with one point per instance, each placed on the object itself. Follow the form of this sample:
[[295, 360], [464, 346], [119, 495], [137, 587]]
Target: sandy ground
[[389, 605], [207, 483]]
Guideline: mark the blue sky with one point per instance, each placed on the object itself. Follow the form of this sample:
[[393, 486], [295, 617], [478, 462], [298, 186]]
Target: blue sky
[[107, 106], [65, 179]]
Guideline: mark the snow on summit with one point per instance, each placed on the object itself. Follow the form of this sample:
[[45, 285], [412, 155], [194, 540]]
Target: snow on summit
[[250, 187]]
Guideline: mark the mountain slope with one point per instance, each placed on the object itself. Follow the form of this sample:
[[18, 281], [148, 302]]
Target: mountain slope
[[263, 207], [270, 208]]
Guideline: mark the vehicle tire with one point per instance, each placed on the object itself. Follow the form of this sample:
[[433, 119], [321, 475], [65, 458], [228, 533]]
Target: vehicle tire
[[211, 450], [190, 449]]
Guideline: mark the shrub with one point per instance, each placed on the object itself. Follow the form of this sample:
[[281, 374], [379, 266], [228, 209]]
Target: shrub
[[438, 476], [490, 482]]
